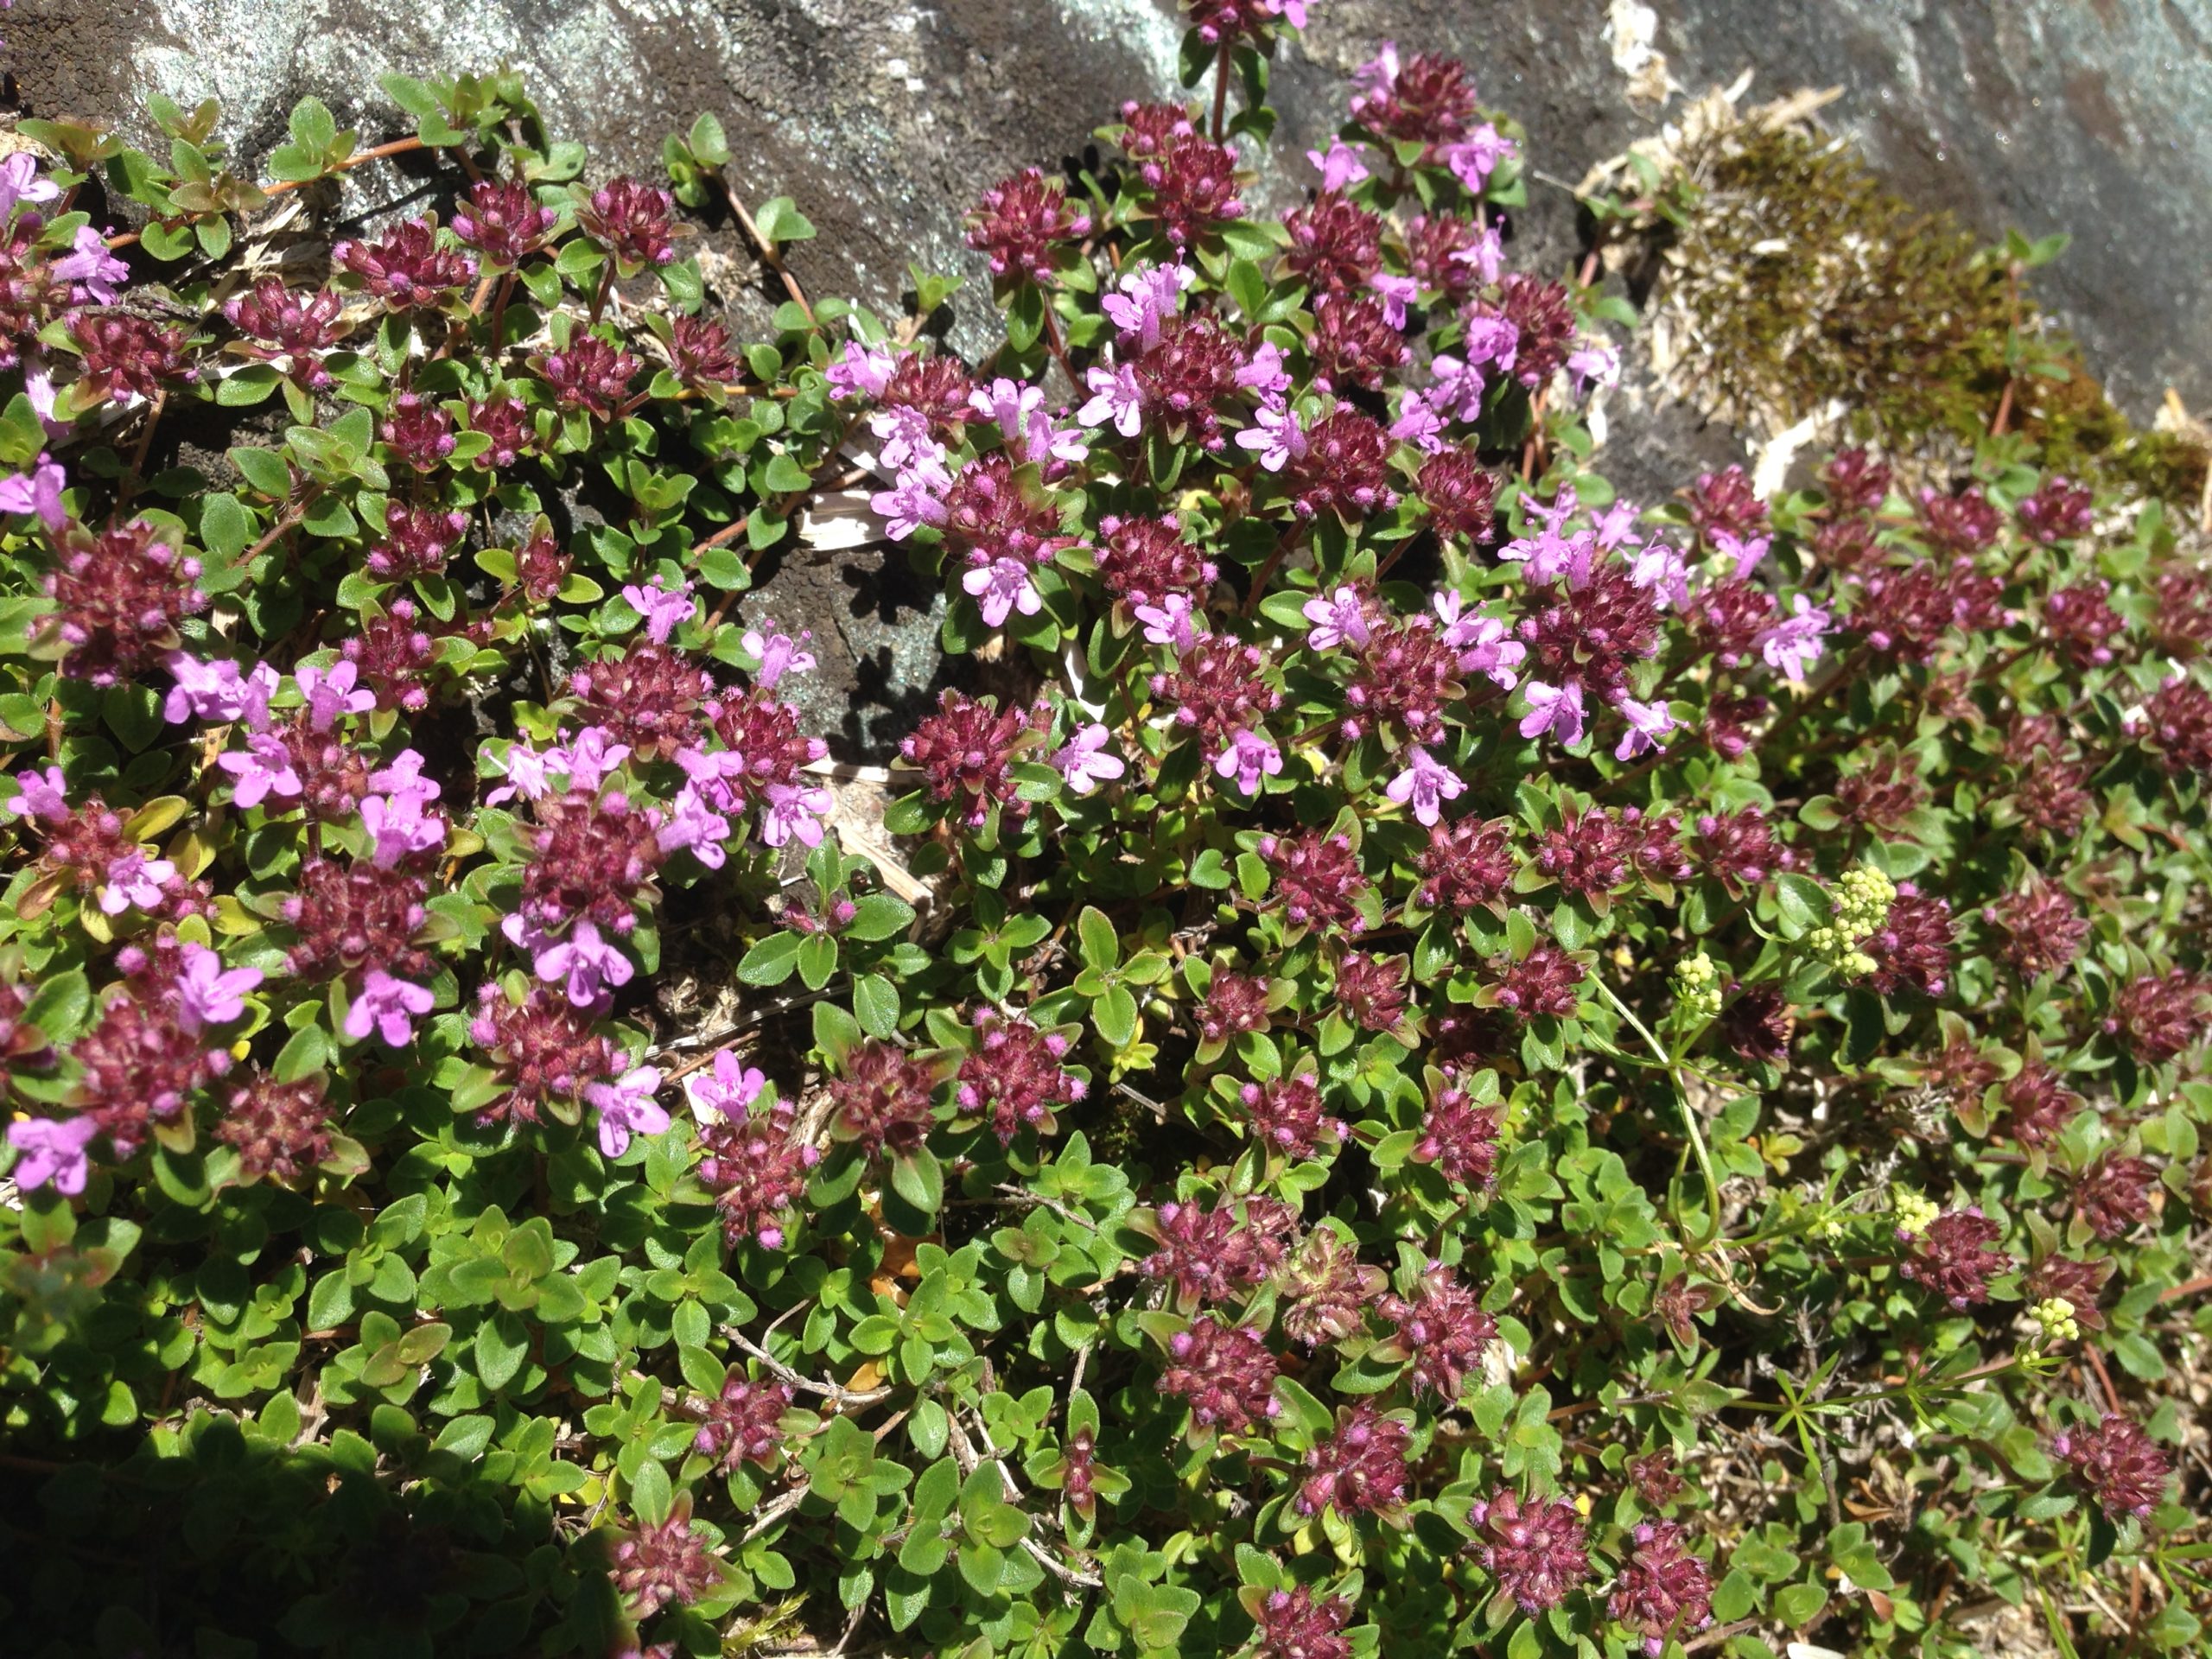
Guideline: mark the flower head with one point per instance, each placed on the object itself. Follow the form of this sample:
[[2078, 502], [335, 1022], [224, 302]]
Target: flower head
[[625, 1106], [50, 1151]]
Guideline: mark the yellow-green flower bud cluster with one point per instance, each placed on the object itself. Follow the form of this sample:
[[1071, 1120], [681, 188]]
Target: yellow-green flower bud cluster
[[1912, 1212], [1697, 988], [1862, 906], [2055, 1315]]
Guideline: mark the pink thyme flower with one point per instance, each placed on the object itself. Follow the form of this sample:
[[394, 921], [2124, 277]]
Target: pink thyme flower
[[1339, 617], [264, 768], [861, 372], [779, 654], [1663, 1591], [1264, 372], [1794, 644], [21, 183], [1002, 589], [1084, 760], [332, 693], [1956, 1255], [1485, 644], [726, 1091], [1116, 398], [1475, 157], [399, 827], [50, 1151], [626, 1106], [1425, 785], [1246, 758], [1556, 710], [216, 691], [1536, 1550], [2121, 1467], [1343, 165], [1591, 365], [919, 495], [694, 824], [388, 1006], [1276, 434], [792, 812], [1142, 300], [38, 491], [1361, 1467], [1172, 622], [40, 795], [131, 878], [1420, 423], [663, 608], [1647, 723], [583, 961], [1227, 1374], [208, 994]]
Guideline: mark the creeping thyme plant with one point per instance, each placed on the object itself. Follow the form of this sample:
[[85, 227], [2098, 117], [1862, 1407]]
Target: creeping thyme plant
[[1476, 1065]]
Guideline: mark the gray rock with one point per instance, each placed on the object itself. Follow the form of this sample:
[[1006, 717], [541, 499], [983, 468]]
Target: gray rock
[[883, 119]]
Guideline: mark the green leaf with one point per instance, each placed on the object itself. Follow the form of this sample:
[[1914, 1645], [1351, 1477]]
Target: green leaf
[[878, 916], [1248, 288], [1797, 1606], [706, 141], [330, 1304], [225, 527], [1115, 1015], [780, 220], [312, 127], [1800, 903], [248, 386], [771, 961], [910, 815], [875, 1001], [502, 1345], [917, 1178], [1100, 945], [836, 1033], [410, 94], [651, 1496], [817, 960], [264, 469]]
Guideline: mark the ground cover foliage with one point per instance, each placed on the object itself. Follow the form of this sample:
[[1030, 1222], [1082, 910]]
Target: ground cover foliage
[[1481, 1067]]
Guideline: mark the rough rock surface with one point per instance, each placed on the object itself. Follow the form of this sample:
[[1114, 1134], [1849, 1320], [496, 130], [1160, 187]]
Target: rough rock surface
[[884, 119]]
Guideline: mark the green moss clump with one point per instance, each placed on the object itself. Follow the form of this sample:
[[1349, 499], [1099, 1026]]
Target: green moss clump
[[1796, 278], [1803, 279]]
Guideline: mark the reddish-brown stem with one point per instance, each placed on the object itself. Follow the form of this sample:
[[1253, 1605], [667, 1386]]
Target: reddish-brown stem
[[727, 534], [606, 287], [499, 311], [1265, 572], [770, 256], [291, 517], [1221, 90], [145, 442], [2104, 1377], [281, 187], [1059, 351]]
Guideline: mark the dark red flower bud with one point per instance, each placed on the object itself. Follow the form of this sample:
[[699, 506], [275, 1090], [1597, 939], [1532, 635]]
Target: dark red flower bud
[[881, 1099], [631, 220], [405, 267], [1021, 222], [1955, 1255], [1537, 1550], [2119, 1465], [280, 1130]]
